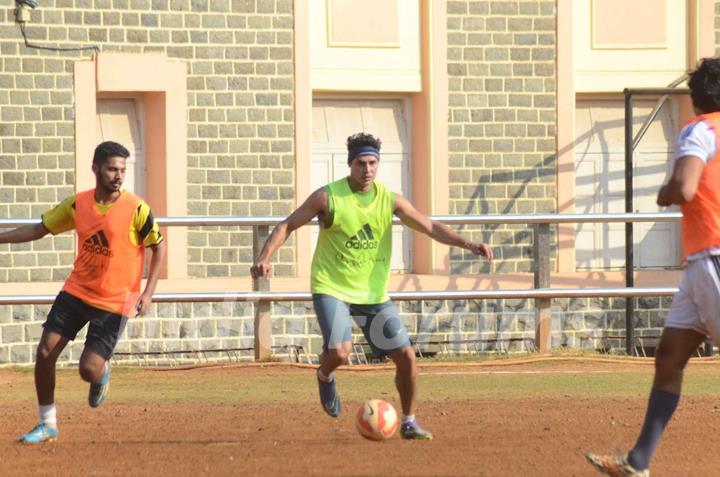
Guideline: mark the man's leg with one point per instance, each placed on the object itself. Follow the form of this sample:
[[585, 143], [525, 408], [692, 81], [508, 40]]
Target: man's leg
[[92, 366], [406, 383], [49, 348], [103, 333], [405, 377], [676, 347], [334, 319], [333, 358], [95, 369], [387, 334]]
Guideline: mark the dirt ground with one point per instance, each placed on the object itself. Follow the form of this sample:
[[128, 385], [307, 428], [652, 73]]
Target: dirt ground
[[524, 436]]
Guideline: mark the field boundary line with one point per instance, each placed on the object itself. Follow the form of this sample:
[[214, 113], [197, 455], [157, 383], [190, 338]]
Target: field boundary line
[[422, 365]]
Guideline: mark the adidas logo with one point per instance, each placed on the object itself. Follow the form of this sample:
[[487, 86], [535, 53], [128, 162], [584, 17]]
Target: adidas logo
[[98, 244], [363, 239]]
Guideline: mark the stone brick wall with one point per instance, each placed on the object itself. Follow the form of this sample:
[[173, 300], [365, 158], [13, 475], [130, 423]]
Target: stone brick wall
[[240, 162], [240, 117], [240, 146], [185, 333], [501, 63]]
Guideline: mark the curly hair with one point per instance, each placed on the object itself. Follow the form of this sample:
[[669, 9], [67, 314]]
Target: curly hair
[[704, 85], [106, 150], [361, 139]]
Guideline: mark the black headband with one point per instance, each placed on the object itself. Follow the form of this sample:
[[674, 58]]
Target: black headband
[[363, 151]]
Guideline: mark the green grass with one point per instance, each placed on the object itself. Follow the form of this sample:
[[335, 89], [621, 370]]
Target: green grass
[[237, 385]]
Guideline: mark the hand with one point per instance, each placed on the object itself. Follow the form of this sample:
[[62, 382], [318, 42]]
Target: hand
[[663, 199], [143, 304], [260, 269], [482, 249]]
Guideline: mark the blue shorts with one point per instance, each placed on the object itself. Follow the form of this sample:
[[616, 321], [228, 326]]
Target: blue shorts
[[380, 323]]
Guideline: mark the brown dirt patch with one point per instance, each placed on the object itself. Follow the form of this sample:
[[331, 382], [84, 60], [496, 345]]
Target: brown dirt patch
[[516, 437]]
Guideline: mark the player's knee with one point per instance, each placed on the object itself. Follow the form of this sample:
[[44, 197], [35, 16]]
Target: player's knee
[[405, 357], [44, 356], [339, 354], [668, 360], [89, 372]]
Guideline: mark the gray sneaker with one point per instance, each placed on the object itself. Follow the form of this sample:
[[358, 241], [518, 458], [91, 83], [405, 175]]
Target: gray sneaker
[[329, 398], [412, 430]]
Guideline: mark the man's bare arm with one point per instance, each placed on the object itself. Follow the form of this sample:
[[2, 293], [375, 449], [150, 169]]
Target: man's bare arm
[[26, 233], [158, 255], [314, 205], [684, 182], [438, 231]]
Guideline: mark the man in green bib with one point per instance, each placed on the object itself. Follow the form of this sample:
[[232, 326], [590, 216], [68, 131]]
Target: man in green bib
[[351, 268]]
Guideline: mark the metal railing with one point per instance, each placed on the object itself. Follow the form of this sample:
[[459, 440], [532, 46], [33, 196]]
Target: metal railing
[[630, 144], [541, 293]]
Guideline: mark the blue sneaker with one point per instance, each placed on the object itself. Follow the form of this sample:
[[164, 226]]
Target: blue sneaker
[[40, 433], [412, 430], [99, 391], [328, 397]]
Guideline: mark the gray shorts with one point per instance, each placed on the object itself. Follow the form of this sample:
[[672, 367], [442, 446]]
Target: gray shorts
[[380, 323]]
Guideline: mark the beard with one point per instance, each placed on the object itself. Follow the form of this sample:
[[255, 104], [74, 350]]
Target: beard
[[110, 186]]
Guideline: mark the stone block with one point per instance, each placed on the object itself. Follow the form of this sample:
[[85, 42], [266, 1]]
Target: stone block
[[207, 328], [21, 354], [229, 327], [188, 330], [135, 329], [13, 333], [33, 331], [243, 6], [153, 328], [22, 312]]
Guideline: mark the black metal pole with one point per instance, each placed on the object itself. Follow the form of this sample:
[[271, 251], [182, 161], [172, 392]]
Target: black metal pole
[[708, 348], [629, 245]]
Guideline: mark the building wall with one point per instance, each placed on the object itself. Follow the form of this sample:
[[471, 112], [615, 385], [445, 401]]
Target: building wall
[[501, 67], [240, 117], [501, 63], [240, 141]]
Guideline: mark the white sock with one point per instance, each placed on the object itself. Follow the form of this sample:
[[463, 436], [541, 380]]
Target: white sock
[[408, 418], [48, 415], [325, 379]]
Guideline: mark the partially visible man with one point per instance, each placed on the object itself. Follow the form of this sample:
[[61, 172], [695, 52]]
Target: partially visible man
[[113, 226], [695, 310], [350, 272]]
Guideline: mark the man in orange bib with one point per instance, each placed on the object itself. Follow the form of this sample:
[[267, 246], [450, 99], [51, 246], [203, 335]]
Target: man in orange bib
[[693, 316], [113, 226]]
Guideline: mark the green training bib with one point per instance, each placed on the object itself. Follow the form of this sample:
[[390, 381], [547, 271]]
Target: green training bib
[[352, 257]]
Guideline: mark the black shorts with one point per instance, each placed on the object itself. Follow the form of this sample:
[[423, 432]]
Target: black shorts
[[69, 314]]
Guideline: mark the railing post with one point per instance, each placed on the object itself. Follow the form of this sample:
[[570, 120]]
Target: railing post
[[708, 351], [629, 240], [263, 323], [543, 318]]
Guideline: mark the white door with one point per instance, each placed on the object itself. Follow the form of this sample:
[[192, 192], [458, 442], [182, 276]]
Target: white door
[[600, 183], [120, 120], [333, 121]]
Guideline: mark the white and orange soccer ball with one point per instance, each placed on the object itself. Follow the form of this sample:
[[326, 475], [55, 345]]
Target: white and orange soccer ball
[[376, 420]]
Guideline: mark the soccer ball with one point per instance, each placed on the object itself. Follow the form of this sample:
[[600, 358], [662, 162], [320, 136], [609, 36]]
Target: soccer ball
[[376, 420]]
